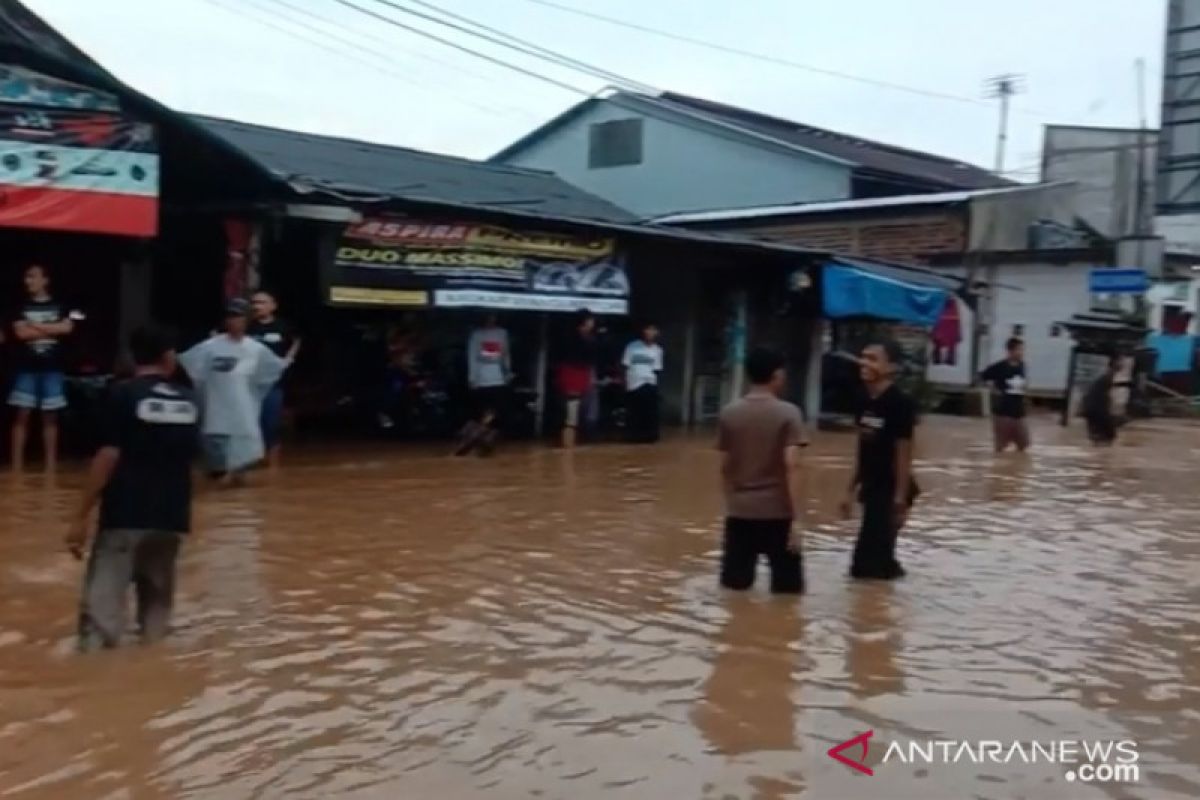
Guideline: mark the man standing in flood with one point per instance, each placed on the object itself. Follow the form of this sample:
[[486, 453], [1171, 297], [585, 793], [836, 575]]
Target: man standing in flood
[[278, 336], [1099, 409], [142, 478], [232, 373], [643, 361], [40, 326], [882, 480], [760, 440], [1008, 382], [489, 371]]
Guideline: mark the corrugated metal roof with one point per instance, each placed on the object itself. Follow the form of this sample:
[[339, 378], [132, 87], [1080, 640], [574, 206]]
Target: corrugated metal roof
[[865, 153], [356, 170], [835, 206]]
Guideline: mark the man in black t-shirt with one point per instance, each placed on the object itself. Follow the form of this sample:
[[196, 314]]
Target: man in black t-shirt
[[1007, 378], [883, 480], [142, 478], [38, 383], [279, 337]]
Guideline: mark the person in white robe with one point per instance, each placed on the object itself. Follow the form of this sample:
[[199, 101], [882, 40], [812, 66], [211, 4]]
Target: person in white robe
[[232, 374]]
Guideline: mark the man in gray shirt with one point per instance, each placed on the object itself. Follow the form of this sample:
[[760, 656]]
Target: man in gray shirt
[[760, 441], [489, 370]]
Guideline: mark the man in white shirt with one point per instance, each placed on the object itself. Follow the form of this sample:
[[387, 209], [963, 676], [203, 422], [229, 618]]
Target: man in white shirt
[[643, 361]]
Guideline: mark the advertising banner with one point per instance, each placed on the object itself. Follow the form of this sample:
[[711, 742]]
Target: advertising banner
[[73, 170], [387, 262]]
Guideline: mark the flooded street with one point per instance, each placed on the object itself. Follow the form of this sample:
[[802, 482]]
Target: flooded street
[[381, 624]]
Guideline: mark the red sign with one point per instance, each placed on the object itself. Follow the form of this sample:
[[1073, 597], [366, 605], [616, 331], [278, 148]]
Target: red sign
[[77, 171]]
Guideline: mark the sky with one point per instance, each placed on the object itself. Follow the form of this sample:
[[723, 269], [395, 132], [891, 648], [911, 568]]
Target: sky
[[323, 67]]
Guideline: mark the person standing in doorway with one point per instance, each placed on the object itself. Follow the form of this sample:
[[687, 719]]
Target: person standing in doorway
[[142, 478], [576, 373], [489, 371], [643, 361], [280, 338], [883, 479], [39, 383], [1008, 382], [760, 440], [232, 373]]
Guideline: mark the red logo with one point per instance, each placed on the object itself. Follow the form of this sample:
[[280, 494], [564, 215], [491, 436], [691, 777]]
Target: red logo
[[863, 739]]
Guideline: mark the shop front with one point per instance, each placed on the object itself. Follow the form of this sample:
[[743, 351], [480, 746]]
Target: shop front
[[389, 319], [79, 199]]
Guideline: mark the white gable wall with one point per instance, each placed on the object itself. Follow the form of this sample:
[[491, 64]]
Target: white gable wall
[[1041, 295], [685, 166]]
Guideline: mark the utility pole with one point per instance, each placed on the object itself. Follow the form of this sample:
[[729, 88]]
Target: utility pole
[[1003, 87], [1140, 221]]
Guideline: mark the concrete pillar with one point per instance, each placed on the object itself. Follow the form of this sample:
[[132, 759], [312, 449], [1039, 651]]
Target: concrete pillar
[[689, 368], [818, 344], [739, 331]]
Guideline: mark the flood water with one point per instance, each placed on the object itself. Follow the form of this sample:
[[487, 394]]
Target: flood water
[[384, 624]]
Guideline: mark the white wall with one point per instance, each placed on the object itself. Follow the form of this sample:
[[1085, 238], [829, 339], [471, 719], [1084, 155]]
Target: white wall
[[685, 167], [1036, 296]]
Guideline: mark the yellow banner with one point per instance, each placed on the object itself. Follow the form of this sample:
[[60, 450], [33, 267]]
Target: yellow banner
[[385, 297]]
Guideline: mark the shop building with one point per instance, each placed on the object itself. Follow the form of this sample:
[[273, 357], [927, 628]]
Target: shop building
[[363, 242]]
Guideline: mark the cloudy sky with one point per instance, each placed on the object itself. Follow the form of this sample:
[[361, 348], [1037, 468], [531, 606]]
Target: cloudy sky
[[323, 66]]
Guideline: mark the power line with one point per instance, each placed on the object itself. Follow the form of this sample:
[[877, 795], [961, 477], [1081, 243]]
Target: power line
[[763, 57], [463, 48], [387, 57], [322, 44], [382, 41], [513, 42]]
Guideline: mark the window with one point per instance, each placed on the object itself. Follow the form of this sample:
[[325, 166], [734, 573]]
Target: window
[[615, 144]]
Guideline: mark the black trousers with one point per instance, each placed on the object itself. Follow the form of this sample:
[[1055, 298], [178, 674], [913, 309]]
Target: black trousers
[[875, 550], [746, 540], [642, 415]]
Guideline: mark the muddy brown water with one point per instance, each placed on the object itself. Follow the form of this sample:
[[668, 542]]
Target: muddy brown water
[[383, 624]]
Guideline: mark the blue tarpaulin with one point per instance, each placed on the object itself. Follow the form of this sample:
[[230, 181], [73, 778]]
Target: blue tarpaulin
[[1175, 353], [851, 291]]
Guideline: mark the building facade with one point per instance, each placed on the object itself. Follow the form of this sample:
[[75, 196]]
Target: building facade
[[658, 154]]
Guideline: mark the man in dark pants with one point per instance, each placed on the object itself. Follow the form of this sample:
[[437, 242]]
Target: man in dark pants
[[142, 478], [278, 336], [760, 441], [1097, 408], [882, 479], [643, 361]]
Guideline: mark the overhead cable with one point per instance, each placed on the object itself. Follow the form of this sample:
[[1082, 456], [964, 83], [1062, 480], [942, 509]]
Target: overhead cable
[[355, 55], [511, 41], [529, 73]]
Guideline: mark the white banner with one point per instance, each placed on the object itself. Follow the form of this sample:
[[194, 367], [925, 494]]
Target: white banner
[[517, 301]]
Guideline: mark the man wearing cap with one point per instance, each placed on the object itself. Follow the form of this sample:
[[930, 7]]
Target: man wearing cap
[[232, 374]]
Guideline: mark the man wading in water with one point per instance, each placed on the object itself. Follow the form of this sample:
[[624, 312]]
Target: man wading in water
[[142, 478], [760, 441], [882, 479], [1008, 381]]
